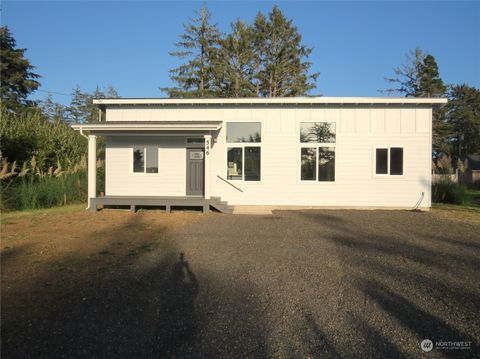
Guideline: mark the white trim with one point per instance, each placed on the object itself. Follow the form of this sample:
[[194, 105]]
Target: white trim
[[266, 101], [149, 127], [374, 165], [144, 160]]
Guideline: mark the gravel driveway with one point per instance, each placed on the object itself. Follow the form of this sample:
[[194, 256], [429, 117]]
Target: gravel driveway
[[309, 284]]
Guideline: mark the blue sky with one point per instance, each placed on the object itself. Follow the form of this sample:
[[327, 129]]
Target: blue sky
[[126, 44]]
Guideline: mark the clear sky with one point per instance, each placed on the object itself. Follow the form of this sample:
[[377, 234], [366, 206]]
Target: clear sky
[[126, 44]]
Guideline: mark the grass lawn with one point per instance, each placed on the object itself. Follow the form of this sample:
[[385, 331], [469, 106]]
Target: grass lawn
[[468, 212]]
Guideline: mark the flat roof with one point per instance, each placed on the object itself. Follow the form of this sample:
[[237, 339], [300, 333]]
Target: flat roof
[[150, 126], [271, 100]]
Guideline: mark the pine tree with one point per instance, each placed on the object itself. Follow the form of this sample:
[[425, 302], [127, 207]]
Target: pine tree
[[17, 80], [463, 115], [54, 111], [82, 109], [199, 44], [283, 69], [234, 67], [419, 77]]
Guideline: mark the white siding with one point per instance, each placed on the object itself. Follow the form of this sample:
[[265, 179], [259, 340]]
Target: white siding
[[359, 131]]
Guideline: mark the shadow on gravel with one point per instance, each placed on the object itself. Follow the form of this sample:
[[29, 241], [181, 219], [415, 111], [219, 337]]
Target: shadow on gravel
[[403, 277], [126, 303]]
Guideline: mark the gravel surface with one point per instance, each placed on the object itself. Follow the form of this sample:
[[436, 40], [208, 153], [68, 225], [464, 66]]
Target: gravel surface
[[308, 284]]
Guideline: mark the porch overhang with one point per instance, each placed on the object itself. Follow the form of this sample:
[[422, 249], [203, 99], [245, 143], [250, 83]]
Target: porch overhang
[[150, 126]]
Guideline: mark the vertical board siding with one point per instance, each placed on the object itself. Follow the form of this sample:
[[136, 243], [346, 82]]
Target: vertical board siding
[[359, 131]]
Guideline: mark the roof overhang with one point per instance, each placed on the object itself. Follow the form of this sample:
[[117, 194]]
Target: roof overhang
[[152, 126], [273, 101]]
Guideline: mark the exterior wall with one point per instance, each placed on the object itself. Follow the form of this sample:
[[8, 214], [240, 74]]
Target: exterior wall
[[359, 129], [120, 179]]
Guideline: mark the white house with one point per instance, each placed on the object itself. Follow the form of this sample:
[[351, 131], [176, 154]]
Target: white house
[[279, 152]]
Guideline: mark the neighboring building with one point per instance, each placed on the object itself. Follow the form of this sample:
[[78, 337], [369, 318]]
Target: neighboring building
[[302, 152], [472, 168]]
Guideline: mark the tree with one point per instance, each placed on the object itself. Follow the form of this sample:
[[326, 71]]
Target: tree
[[17, 80], [463, 115], [199, 45], [282, 66], [420, 77], [266, 59], [54, 111], [82, 109], [235, 63]]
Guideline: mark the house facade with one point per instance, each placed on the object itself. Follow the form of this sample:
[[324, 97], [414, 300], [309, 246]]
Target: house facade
[[280, 152]]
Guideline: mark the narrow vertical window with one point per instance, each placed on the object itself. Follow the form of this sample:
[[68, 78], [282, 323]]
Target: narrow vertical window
[[252, 163], [234, 163], [139, 159], [326, 164], [396, 161], [381, 161], [309, 163], [152, 159]]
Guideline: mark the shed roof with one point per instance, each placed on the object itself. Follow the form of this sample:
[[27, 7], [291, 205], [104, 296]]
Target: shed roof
[[272, 101]]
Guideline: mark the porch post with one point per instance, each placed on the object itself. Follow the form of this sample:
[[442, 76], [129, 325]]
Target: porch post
[[92, 170], [208, 146]]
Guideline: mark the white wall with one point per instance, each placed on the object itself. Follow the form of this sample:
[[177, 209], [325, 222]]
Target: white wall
[[359, 131]]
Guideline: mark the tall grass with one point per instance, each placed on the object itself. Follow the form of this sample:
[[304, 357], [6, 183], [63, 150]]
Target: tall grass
[[447, 191], [30, 187]]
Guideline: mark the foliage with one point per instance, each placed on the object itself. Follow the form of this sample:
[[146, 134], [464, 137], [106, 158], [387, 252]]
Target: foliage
[[282, 69], [447, 191], [199, 43], [17, 80], [29, 133], [31, 187], [82, 109], [265, 59], [463, 116], [419, 77]]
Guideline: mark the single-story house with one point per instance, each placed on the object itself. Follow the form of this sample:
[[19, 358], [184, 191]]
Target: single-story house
[[350, 152]]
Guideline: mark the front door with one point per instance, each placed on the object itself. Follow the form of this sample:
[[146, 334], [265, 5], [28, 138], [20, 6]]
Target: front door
[[195, 175]]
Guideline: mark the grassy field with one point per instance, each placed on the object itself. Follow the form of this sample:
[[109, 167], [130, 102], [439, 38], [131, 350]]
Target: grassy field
[[468, 212]]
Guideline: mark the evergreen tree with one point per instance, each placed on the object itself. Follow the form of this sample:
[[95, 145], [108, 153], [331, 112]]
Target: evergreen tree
[[463, 115], [82, 109], [54, 111], [420, 77], [199, 44], [283, 70], [17, 80], [234, 67]]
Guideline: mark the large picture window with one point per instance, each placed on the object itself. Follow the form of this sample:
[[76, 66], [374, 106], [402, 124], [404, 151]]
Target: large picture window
[[145, 159], [244, 151], [389, 161]]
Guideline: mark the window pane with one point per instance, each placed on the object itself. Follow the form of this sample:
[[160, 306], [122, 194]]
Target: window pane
[[326, 164], [252, 163], [152, 159], [381, 161], [234, 163], [244, 132], [318, 132], [138, 159], [396, 161], [308, 160]]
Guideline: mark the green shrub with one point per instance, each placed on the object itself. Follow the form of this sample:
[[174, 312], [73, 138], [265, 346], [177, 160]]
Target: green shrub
[[447, 191]]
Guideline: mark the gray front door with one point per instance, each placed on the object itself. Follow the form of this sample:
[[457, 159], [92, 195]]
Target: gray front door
[[195, 176]]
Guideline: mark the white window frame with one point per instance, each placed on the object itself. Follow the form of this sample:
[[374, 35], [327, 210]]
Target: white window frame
[[144, 160], [387, 175], [315, 145], [243, 145]]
